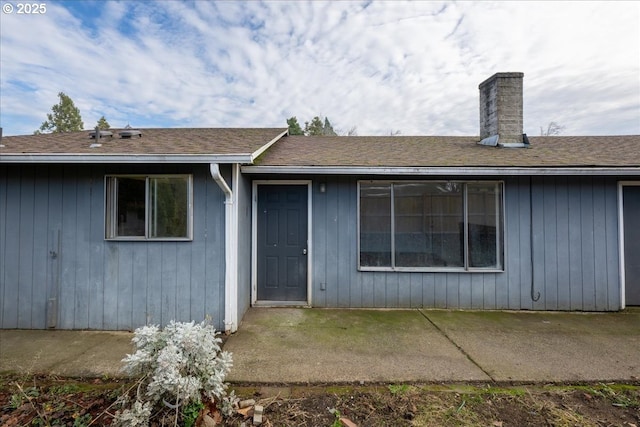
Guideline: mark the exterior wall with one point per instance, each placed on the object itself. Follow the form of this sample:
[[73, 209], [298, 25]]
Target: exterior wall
[[102, 284], [575, 253], [575, 241]]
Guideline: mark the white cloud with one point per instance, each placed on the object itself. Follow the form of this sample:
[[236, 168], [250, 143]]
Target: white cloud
[[380, 66]]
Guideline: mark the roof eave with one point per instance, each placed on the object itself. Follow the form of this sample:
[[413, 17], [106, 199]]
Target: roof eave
[[126, 158], [442, 171]]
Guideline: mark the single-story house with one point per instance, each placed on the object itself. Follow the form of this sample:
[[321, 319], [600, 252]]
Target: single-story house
[[117, 229]]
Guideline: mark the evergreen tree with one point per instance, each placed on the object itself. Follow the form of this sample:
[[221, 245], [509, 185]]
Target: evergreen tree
[[327, 129], [103, 124], [294, 126], [314, 128], [64, 117], [317, 127]]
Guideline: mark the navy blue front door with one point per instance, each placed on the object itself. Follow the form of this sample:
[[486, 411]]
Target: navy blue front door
[[282, 243]]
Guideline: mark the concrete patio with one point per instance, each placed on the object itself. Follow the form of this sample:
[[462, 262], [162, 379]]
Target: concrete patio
[[293, 345], [333, 345]]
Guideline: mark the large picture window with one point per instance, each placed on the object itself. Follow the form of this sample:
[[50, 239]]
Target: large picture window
[[430, 225], [149, 207]]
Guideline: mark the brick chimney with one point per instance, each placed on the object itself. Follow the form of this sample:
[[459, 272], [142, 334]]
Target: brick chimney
[[501, 110]]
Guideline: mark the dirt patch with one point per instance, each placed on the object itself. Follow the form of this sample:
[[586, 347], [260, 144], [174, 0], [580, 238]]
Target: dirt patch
[[460, 405], [83, 402], [50, 400]]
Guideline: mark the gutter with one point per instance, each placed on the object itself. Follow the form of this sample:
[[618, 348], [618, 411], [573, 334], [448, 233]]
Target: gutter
[[124, 158], [230, 249], [442, 171]]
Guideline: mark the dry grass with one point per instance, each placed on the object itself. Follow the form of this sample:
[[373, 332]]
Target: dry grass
[[65, 401]]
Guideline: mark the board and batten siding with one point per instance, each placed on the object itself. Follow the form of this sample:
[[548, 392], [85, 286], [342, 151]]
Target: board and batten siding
[[570, 224], [52, 249]]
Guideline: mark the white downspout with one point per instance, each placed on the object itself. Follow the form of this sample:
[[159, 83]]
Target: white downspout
[[230, 252]]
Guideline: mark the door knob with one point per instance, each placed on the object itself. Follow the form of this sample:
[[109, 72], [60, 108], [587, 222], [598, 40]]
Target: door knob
[[304, 251]]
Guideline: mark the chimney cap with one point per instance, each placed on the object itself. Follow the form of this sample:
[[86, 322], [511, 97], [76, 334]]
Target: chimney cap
[[516, 75]]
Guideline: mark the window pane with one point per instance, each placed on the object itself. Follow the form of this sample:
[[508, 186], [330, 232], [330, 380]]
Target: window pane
[[428, 224], [130, 206], [169, 210], [375, 225], [483, 213]]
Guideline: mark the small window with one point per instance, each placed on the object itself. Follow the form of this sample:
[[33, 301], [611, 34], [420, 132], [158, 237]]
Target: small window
[[430, 225], [149, 207]]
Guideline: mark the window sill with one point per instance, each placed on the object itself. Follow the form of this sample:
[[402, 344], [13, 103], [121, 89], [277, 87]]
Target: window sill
[[431, 270], [144, 239]]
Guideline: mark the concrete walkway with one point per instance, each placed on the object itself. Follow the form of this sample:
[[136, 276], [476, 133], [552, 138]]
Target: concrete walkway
[[288, 345], [316, 345], [67, 353]]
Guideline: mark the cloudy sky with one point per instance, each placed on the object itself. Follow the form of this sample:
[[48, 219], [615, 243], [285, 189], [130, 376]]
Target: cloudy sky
[[381, 66]]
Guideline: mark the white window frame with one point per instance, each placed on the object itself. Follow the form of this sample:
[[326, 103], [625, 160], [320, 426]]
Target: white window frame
[[111, 208], [500, 243]]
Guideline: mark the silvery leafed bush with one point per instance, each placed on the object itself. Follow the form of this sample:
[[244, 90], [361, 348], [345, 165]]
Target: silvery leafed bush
[[179, 365]]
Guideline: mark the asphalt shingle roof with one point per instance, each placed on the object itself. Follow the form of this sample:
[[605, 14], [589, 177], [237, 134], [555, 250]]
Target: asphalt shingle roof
[[447, 151], [195, 141], [339, 151]]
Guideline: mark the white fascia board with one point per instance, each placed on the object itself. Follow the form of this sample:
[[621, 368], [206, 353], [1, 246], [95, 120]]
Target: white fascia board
[[266, 146], [125, 158], [440, 171]]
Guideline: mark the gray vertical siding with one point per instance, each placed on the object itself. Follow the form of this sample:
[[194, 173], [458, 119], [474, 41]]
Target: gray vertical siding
[[102, 284], [244, 190], [560, 237], [576, 254]]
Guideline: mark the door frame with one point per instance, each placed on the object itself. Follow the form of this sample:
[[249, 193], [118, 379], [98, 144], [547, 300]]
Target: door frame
[[254, 238], [621, 185]]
